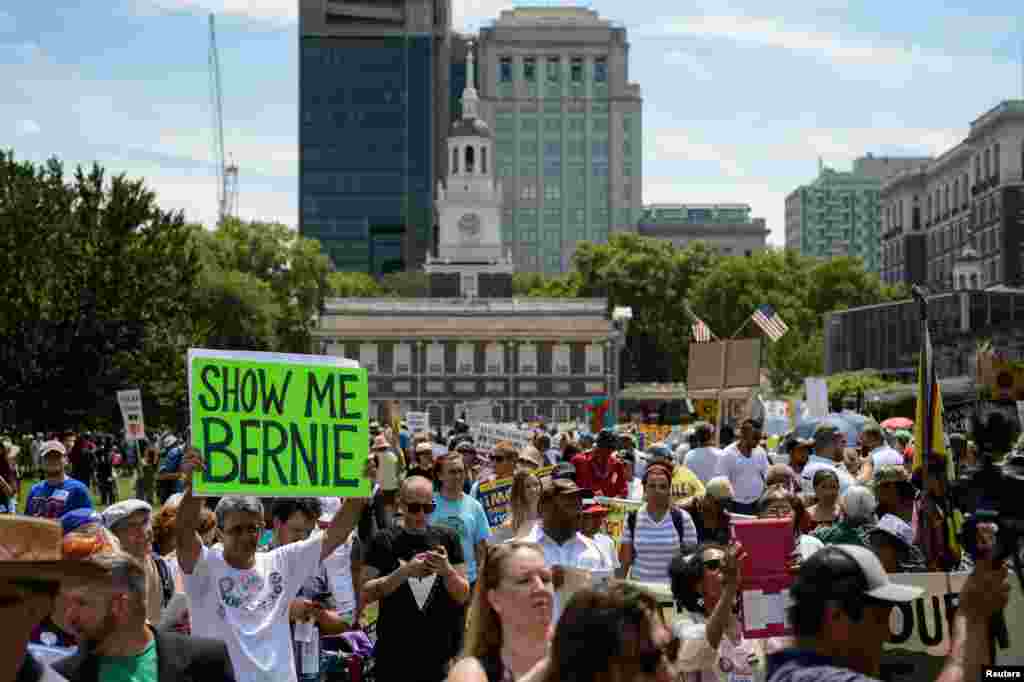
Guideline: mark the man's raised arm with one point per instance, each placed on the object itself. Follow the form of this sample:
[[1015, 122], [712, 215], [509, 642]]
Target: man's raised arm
[[190, 545]]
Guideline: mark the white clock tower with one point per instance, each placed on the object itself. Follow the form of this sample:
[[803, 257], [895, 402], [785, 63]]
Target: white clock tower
[[470, 261]]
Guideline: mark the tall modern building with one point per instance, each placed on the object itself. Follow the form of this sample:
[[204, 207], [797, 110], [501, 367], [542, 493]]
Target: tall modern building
[[374, 109], [958, 222], [838, 213], [554, 88], [727, 228]]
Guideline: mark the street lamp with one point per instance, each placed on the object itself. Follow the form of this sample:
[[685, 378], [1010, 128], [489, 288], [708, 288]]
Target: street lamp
[[621, 316]]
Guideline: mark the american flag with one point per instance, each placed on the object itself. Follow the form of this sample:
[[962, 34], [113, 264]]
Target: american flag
[[769, 321], [701, 332]]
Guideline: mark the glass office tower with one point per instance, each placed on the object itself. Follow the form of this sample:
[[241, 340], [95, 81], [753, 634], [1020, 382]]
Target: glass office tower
[[373, 108]]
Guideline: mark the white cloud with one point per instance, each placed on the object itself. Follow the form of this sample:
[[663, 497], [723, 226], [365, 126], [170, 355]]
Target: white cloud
[[278, 12], [27, 127], [470, 15], [668, 145], [770, 32], [848, 143]]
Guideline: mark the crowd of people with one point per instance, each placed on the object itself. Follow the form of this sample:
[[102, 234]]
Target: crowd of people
[[168, 585]]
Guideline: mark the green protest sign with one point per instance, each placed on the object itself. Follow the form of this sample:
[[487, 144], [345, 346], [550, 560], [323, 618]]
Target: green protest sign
[[278, 425]]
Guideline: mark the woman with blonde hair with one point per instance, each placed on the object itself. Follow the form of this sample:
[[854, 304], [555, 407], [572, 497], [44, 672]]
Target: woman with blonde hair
[[524, 499], [509, 617]]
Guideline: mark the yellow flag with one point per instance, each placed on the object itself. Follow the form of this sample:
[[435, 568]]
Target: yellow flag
[[929, 396]]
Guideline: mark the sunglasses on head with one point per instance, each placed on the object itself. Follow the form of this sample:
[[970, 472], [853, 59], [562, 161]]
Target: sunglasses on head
[[650, 661], [417, 507]]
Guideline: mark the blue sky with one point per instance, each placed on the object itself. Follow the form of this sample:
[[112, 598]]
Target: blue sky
[[740, 97]]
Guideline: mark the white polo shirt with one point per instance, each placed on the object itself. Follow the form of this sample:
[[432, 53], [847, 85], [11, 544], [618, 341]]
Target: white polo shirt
[[883, 455], [815, 463], [747, 474], [578, 552], [704, 462]]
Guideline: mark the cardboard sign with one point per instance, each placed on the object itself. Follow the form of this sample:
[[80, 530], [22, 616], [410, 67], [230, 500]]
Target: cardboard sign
[[417, 422], [130, 402], [486, 436], [278, 425], [817, 397]]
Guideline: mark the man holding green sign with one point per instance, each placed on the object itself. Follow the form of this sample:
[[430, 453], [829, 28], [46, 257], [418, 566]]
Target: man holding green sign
[[266, 425]]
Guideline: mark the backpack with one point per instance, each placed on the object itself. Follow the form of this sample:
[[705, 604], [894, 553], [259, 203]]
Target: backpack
[[677, 521], [166, 580]]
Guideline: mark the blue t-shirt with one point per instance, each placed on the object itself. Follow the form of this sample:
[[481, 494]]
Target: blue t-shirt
[[172, 465], [467, 518], [53, 501]]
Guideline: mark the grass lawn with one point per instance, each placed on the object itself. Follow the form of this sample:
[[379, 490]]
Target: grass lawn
[[125, 491]]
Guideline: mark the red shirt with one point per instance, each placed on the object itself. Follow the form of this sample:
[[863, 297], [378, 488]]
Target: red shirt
[[609, 481]]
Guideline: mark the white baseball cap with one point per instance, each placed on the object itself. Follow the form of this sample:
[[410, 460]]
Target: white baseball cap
[[827, 574]]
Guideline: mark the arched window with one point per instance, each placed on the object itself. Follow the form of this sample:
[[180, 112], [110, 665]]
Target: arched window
[[455, 160], [483, 160], [470, 159]]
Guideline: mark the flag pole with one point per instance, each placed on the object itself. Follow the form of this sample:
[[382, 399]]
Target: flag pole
[[725, 354], [926, 388]]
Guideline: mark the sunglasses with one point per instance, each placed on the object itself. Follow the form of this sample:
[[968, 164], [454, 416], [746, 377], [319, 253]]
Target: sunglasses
[[417, 507], [650, 661]]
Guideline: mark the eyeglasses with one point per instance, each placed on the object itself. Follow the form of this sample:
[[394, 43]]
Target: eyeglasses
[[417, 507], [650, 661]]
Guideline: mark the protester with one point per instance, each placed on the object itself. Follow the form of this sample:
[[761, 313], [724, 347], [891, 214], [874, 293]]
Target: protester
[[145, 477], [242, 596], [892, 541], [8, 478], [81, 457], [462, 514], [294, 521], [857, 515], [131, 522], [710, 511], [745, 464], [106, 483], [561, 502], [782, 474], [685, 484], [825, 511], [656, 532], [530, 458], [828, 454], [627, 448], [169, 475], [779, 503], [33, 562], [600, 470], [57, 494], [376, 516], [118, 643], [704, 459], [542, 443], [799, 450], [842, 603], [510, 616], [592, 526], [418, 574], [523, 502], [879, 452], [611, 635], [423, 465], [504, 458], [344, 568], [894, 492], [705, 584], [635, 490]]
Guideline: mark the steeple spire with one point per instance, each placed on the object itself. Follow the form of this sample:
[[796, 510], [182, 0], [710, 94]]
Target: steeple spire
[[469, 97]]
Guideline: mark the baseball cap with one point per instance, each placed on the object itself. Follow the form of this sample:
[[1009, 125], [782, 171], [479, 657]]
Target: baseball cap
[[169, 440], [77, 518], [835, 570], [532, 456], [607, 438], [660, 451], [116, 513], [719, 488], [895, 527], [563, 486], [873, 428], [825, 431], [53, 446]]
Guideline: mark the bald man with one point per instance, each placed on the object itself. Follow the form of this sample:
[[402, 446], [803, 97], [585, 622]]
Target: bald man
[[418, 573]]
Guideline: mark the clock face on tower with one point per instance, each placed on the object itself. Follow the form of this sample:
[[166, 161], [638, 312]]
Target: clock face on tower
[[469, 226]]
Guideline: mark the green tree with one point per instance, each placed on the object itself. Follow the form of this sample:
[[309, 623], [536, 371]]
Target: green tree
[[353, 285], [91, 270], [406, 284]]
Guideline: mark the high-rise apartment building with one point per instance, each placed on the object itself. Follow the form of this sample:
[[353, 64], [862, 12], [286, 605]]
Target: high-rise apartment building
[[555, 90], [838, 213], [727, 228], [374, 111], [958, 222]]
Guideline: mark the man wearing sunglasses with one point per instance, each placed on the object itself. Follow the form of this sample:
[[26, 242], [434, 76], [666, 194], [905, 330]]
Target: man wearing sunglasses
[[418, 573]]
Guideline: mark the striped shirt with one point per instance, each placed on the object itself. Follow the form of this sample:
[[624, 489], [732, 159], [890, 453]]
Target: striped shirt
[[655, 544]]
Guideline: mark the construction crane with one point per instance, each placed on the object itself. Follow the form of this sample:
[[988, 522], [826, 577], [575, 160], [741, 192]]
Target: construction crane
[[227, 173]]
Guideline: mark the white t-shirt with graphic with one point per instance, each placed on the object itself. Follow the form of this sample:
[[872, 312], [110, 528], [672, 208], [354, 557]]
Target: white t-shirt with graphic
[[248, 609]]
